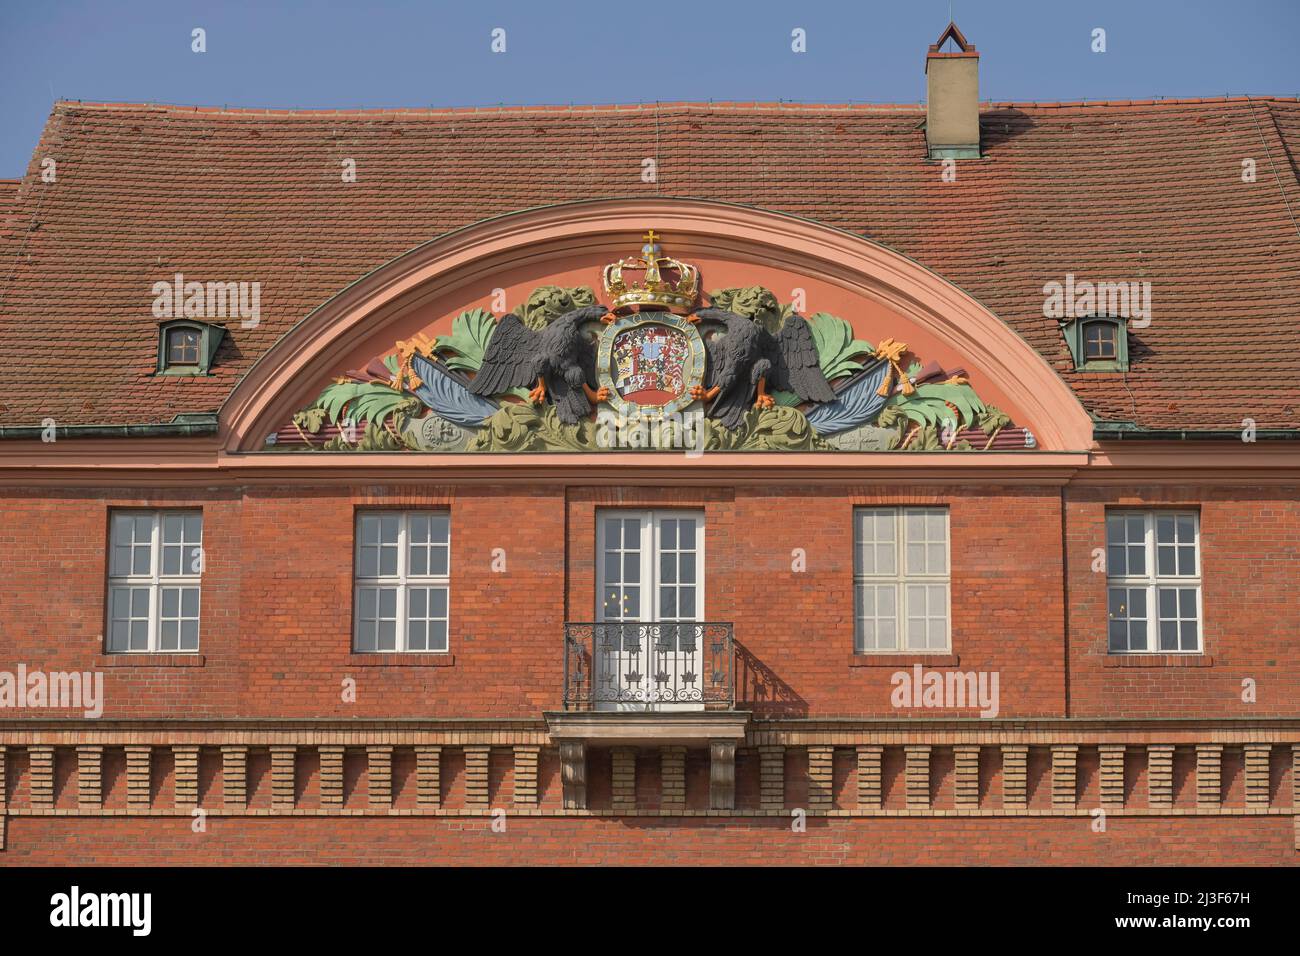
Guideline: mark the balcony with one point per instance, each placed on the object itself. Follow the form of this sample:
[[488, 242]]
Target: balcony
[[639, 666]]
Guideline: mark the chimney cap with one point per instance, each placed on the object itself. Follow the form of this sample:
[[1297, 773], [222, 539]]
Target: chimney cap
[[951, 32]]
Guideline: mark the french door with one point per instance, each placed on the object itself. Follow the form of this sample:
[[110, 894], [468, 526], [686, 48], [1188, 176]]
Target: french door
[[650, 597]]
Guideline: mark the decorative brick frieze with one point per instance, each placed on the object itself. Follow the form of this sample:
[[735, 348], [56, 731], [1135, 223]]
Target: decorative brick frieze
[[1257, 775], [916, 775], [915, 749], [1209, 775], [623, 778], [1112, 775], [1295, 776], [379, 773], [282, 776], [40, 767], [1160, 775], [234, 777], [90, 777], [771, 777], [139, 758], [821, 777], [869, 776], [1015, 776], [672, 776], [185, 758], [478, 763], [526, 760], [428, 776], [966, 775], [331, 776], [722, 774], [1064, 774], [573, 774]]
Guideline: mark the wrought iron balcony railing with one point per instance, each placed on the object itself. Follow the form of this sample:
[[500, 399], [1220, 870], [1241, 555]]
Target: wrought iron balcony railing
[[647, 664]]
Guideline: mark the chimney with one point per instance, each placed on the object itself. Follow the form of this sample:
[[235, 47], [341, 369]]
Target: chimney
[[952, 99]]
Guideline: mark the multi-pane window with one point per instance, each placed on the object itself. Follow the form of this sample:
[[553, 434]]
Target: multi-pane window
[[901, 579], [183, 347], [154, 569], [1099, 341], [1153, 571], [403, 566]]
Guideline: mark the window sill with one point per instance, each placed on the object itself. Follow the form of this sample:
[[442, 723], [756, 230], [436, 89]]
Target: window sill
[[1157, 660], [904, 660], [403, 660], [150, 660]]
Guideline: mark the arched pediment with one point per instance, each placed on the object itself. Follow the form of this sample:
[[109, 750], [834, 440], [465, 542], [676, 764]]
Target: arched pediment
[[883, 298]]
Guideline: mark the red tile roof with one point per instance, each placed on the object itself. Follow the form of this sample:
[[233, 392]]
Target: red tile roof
[[1137, 190]]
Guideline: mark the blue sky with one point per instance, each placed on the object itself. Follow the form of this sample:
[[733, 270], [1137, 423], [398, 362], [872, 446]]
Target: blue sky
[[374, 53]]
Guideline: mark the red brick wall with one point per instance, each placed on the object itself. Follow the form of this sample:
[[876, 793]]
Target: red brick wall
[[1131, 841], [276, 625]]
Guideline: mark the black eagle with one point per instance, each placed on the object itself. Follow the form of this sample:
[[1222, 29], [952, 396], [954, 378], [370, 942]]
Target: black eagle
[[560, 358], [747, 360]]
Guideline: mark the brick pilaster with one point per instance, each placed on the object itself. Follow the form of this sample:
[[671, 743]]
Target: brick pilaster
[[573, 774], [1257, 774], [1065, 776], [623, 783], [966, 785], [185, 757], [40, 759], [672, 776], [478, 760], [1112, 774], [138, 760], [771, 777], [1015, 776], [331, 776], [379, 773], [1160, 774], [722, 774], [821, 777], [234, 776], [283, 756], [90, 776], [526, 758], [869, 776], [1209, 775], [428, 775], [4, 783], [917, 775]]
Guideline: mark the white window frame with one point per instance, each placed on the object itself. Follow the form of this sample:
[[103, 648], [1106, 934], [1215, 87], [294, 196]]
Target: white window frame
[[650, 549], [402, 580], [900, 579], [1152, 581], [155, 580]]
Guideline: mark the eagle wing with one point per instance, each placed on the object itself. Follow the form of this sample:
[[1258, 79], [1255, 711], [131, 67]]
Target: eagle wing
[[796, 366], [510, 360]]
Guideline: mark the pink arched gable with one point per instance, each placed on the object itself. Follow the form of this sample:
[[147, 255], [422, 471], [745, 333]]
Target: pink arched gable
[[883, 294]]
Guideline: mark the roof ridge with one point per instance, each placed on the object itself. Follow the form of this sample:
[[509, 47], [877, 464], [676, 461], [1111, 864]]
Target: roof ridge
[[725, 105]]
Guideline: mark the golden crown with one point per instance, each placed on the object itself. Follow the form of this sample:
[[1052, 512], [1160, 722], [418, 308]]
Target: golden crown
[[665, 283]]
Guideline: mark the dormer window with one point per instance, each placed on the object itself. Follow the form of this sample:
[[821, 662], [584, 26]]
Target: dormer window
[[186, 347], [1097, 343]]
